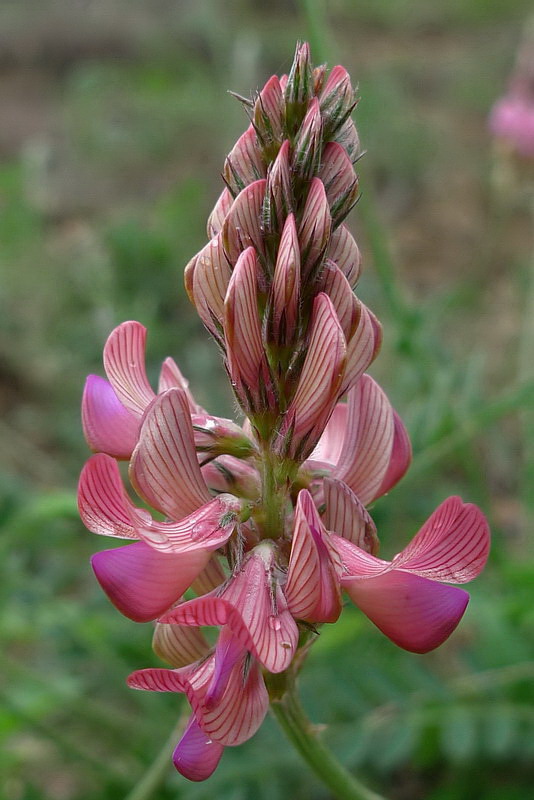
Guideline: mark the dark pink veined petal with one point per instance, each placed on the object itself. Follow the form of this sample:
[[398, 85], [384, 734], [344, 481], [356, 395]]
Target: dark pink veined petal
[[279, 192], [227, 653], [106, 509], [171, 377], [164, 468], [329, 446], [312, 588], [242, 226], [415, 613], [269, 110], [347, 516], [196, 756], [319, 384], [260, 621], [453, 544], [285, 290], [108, 426], [124, 362], [246, 358], [244, 164], [345, 302], [344, 252], [400, 459], [315, 228], [220, 210], [208, 284], [104, 506], [366, 451], [361, 349], [358, 563], [142, 582], [179, 645]]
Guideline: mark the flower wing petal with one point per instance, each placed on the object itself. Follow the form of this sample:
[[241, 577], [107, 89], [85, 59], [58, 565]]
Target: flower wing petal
[[108, 426]]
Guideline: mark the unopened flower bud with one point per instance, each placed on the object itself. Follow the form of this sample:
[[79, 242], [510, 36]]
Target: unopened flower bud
[[220, 210], [209, 282], [344, 252], [244, 163], [347, 137], [279, 195], [218, 436], [314, 230], [268, 117], [299, 89], [340, 181], [243, 224], [286, 286], [337, 100], [308, 144]]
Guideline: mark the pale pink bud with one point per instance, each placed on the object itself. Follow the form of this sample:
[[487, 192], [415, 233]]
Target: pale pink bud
[[268, 115], [244, 164], [279, 194], [319, 74], [512, 120], [232, 476], [286, 285], [344, 252], [299, 88], [319, 384], [340, 181], [314, 230], [243, 225], [216, 435], [246, 360], [220, 210], [308, 144], [347, 137], [210, 278]]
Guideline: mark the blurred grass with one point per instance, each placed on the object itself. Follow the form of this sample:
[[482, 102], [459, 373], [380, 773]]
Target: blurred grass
[[105, 185]]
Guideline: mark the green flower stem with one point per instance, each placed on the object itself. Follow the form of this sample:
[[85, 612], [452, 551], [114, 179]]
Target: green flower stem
[[304, 736]]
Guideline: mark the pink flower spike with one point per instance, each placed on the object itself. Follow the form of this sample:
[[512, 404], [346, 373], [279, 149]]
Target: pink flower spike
[[108, 426], [368, 442], [344, 252], [286, 285], [164, 468], [124, 362], [319, 384], [347, 517], [312, 589], [256, 613], [242, 226], [196, 756], [218, 215], [142, 582], [246, 360]]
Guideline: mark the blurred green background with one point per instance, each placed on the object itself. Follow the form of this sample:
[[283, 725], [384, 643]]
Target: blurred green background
[[114, 126]]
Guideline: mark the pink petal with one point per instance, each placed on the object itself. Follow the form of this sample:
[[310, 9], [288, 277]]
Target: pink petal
[[314, 229], [329, 445], [171, 377], [344, 252], [261, 622], [143, 583], [210, 578], [319, 383], [453, 544], [269, 110], [279, 192], [242, 227], [108, 426], [208, 284], [416, 613], [164, 467], [227, 653], [312, 588], [244, 163], [368, 443], [104, 506], [400, 459], [220, 210], [361, 349], [347, 516], [286, 285], [124, 362], [179, 645], [196, 756]]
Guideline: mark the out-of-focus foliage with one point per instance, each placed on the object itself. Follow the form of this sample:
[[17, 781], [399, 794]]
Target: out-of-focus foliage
[[114, 128]]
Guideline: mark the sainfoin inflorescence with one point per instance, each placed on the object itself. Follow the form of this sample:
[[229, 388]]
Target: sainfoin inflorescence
[[266, 523]]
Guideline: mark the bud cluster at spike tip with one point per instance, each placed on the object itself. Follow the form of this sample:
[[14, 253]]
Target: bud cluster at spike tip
[[267, 523]]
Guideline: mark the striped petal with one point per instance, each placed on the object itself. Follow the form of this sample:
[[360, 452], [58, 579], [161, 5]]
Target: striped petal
[[366, 451], [171, 377], [416, 613], [285, 292], [220, 210], [142, 582], [196, 756], [244, 163], [344, 252], [208, 284], [453, 544], [312, 588], [242, 226], [164, 468], [258, 617], [124, 362], [104, 506], [319, 383], [347, 516], [108, 426], [314, 229], [400, 459], [179, 645], [329, 446]]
